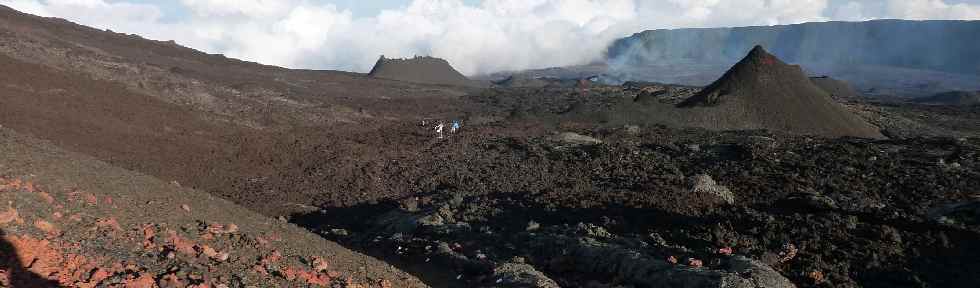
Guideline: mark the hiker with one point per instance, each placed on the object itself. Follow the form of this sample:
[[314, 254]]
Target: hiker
[[455, 127], [583, 86], [439, 129]]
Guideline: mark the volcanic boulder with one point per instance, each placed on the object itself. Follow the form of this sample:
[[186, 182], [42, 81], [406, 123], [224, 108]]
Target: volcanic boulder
[[425, 70], [576, 139], [763, 92], [660, 93]]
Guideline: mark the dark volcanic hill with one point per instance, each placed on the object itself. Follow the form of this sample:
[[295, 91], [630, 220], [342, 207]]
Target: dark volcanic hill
[[762, 91], [759, 92], [427, 70], [958, 98]]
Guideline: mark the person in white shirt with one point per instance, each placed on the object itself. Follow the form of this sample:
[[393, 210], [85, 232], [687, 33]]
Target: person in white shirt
[[439, 129]]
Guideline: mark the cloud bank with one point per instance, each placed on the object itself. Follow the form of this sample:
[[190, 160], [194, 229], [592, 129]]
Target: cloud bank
[[493, 36]]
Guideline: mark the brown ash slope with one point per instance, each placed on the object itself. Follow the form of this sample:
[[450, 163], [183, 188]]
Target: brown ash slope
[[177, 114], [213, 86]]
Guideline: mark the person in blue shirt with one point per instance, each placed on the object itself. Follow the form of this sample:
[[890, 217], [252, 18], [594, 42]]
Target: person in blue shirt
[[454, 127]]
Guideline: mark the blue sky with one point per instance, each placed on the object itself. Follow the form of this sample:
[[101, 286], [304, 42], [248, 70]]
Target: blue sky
[[475, 36]]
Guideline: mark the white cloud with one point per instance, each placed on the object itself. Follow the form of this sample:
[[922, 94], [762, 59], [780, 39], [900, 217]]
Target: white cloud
[[27, 6], [850, 11], [931, 9], [495, 35], [239, 8], [717, 13]]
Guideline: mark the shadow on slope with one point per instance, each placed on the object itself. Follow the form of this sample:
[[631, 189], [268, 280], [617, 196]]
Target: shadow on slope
[[17, 273]]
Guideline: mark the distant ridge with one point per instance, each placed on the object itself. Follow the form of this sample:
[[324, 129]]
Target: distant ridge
[[902, 58], [419, 69], [942, 45], [761, 91], [956, 98]]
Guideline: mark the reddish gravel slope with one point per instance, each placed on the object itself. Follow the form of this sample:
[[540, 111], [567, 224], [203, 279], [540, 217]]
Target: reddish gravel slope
[[72, 221]]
